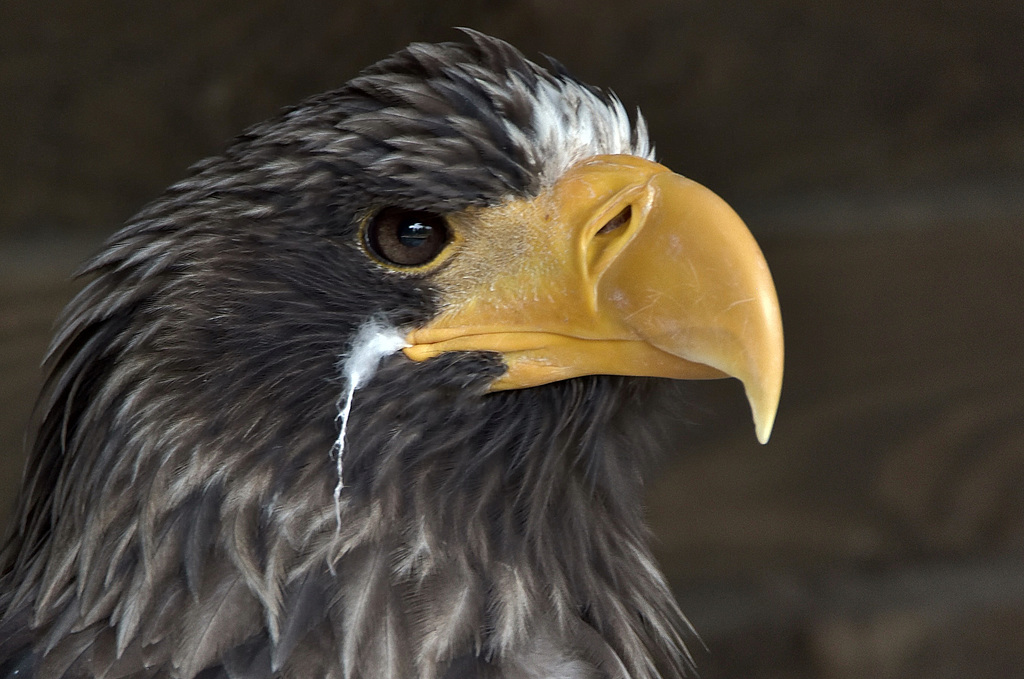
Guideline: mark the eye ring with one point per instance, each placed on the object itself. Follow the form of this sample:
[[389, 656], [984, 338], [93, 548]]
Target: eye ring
[[406, 238]]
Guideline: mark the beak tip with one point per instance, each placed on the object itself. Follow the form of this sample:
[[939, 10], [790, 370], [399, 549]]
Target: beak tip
[[763, 392], [764, 411]]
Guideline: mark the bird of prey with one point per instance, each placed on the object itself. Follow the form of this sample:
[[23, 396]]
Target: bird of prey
[[365, 396]]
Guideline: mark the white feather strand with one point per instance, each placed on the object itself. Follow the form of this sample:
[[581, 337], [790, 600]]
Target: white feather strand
[[375, 340]]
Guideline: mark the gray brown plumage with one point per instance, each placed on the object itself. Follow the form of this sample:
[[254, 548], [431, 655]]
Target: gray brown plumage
[[178, 515]]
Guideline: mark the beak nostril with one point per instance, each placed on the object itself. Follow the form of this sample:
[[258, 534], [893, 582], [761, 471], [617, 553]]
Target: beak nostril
[[621, 219]]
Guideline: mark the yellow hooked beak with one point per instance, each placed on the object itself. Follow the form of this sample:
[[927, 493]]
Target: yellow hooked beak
[[620, 268]]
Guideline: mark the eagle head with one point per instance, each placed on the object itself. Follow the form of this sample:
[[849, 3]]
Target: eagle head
[[360, 398]]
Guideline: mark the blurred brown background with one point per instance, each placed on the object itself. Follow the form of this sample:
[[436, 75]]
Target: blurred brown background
[[875, 149]]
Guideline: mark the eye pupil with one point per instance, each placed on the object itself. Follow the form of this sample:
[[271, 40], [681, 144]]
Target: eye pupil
[[406, 237], [414, 235]]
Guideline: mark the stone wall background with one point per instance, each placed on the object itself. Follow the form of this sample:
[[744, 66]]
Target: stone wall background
[[876, 150]]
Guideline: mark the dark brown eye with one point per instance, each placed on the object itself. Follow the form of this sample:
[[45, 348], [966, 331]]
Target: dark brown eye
[[406, 237]]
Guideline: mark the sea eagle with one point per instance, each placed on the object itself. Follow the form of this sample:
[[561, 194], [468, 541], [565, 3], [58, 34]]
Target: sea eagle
[[366, 395]]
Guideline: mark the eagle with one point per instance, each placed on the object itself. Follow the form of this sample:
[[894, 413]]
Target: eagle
[[368, 395]]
